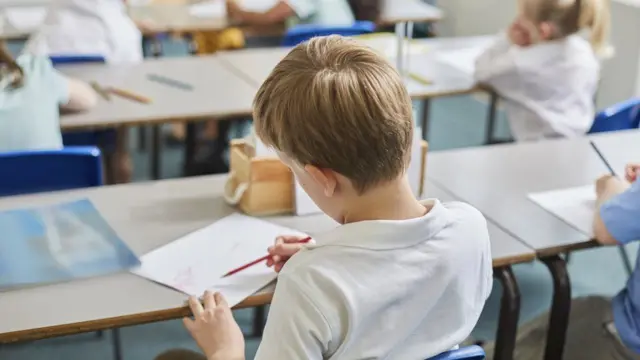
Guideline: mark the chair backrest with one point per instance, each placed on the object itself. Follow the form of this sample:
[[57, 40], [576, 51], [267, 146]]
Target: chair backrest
[[26, 172], [62, 59], [300, 33], [473, 352], [621, 116]]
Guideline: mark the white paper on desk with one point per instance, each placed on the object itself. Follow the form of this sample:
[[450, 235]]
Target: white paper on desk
[[197, 261], [306, 206], [26, 17], [575, 206], [462, 59]]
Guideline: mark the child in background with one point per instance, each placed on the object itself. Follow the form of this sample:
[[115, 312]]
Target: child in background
[[31, 95], [93, 27], [321, 12], [399, 278], [544, 68]]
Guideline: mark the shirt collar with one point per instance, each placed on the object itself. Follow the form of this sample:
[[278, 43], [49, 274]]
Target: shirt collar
[[388, 234]]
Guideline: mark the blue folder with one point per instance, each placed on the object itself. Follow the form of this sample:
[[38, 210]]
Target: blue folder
[[58, 243]]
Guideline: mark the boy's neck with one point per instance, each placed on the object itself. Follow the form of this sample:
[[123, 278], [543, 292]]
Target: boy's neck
[[391, 201]]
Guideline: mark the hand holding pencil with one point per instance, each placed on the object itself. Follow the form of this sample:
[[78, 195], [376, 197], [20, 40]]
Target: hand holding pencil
[[284, 248]]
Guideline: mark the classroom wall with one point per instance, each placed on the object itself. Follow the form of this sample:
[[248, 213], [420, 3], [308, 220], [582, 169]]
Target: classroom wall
[[620, 75]]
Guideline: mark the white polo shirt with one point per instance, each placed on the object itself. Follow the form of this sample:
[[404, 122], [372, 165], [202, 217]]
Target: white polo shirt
[[407, 289], [548, 88]]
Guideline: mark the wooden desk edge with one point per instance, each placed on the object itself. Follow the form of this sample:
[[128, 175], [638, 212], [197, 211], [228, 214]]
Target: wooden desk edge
[[168, 314], [120, 321], [563, 249]]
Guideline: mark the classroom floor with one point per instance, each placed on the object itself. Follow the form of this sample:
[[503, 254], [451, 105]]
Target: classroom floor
[[456, 122]]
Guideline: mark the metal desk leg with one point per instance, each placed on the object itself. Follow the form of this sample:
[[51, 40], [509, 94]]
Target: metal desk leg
[[509, 313], [560, 307], [156, 150], [491, 119], [258, 320], [117, 345], [190, 147], [426, 107]]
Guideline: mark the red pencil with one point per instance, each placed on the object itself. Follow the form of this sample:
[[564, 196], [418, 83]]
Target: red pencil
[[257, 261]]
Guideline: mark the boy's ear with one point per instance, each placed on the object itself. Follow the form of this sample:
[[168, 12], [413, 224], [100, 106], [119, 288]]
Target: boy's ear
[[324, 177]]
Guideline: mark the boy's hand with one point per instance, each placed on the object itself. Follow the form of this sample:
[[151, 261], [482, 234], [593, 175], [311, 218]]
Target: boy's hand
[[518, 34], [285, 248], [631, 172], [214, 328], [608, 186], [233, 10]]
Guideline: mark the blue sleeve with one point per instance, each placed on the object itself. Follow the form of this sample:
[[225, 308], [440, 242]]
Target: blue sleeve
[[621, 215]]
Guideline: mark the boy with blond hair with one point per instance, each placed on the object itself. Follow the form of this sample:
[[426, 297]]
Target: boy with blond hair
[[399, 278]]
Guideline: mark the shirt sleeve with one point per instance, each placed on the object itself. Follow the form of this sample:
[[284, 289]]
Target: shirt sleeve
[[302, 8], [621, 215], [296, 329], [57, 82], [497, 63]]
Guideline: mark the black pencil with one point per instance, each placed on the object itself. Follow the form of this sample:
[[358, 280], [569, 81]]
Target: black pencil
[[168, 81], [606, 163]]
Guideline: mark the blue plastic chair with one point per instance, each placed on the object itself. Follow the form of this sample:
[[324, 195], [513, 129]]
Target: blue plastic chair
[[301, 33], [473, 352], [76, 59], [621, 116], [26, 172]]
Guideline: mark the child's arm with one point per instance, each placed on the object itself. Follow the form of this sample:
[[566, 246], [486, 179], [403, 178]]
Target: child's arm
[[280, 12], [81, 96], [617, 211], [296, 329], [496, 62]]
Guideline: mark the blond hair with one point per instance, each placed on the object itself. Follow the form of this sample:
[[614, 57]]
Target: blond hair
[[572, 16], [10, 71], [338, 105]]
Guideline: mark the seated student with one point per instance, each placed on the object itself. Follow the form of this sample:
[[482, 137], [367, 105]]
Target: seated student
[[324, 12], [31, 95], [399, 278], [600, 328], [545, 70], [95, 27]]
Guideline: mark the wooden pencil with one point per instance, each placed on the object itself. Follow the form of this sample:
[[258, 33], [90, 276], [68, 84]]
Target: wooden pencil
[[100, 90], [130, 95], [419, 78]]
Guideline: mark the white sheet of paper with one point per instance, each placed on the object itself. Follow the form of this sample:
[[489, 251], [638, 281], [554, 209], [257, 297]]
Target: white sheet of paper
[[197, 261], [306, 206], [25, 18], [462, 59], [257, 5], [575, 206]]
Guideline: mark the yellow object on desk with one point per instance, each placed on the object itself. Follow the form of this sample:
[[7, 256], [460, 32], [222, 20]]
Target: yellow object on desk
[[419, 78]]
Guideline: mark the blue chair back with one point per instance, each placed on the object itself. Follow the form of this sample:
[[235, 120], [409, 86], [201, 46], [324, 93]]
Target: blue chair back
[[76, 59], [301, 33], [621, 116], [26, 172], [473, 352]]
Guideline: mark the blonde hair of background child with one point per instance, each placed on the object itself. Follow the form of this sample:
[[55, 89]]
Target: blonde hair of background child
[[9, 69], [571, 16]]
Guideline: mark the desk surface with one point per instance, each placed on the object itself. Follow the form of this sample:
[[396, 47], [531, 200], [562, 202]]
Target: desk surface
[[497, 179], [146, 216], [256, 64], [217, 92]]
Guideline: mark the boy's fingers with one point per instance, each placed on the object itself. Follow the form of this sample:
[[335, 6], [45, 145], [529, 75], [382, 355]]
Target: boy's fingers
[[196, 307], [286, 249], [209, 301], [188, 324], [291, 238], [220, 300]]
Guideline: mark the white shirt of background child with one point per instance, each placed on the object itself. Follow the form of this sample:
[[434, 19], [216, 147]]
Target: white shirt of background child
[[91, 27], [406, 289], [548, 88]]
